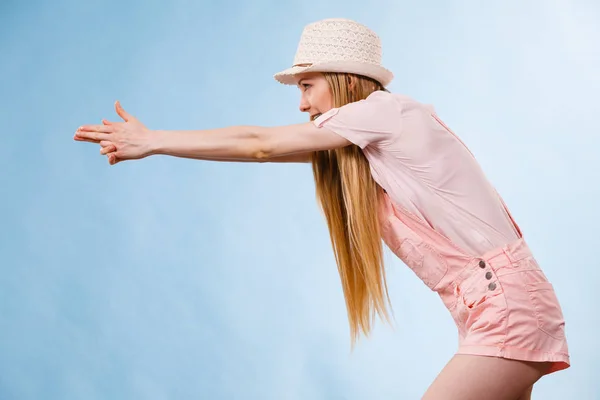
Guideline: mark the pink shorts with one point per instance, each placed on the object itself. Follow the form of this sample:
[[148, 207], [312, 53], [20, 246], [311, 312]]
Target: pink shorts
[[504, 306]]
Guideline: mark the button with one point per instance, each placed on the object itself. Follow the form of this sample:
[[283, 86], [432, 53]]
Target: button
[[481, 264], [492, 286], [488, 275]]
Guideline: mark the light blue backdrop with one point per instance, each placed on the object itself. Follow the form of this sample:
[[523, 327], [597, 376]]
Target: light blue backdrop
[[168, 278]]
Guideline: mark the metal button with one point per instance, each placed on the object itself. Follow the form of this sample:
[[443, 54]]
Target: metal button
[[481, 264], [488, 275], [492, 286]]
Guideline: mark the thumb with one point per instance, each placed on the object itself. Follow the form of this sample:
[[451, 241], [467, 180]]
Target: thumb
[[122, 113]]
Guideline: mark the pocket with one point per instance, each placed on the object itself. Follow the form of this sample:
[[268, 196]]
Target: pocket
[[423, 260], [410, 253], [550, 319], [409, 247], [477, 289]]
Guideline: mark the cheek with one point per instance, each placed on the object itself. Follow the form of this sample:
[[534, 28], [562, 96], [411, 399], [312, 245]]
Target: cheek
[[325, 101]]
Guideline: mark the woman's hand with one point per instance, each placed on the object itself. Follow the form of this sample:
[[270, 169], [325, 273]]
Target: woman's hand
[[119, 141]]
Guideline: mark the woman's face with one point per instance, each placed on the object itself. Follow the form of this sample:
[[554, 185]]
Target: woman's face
[[316, 97]]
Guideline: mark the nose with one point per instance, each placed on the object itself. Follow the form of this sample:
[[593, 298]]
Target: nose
[[304, 105]]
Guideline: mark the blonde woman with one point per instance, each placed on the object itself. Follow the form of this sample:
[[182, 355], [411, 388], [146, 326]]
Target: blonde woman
[[387, 168]]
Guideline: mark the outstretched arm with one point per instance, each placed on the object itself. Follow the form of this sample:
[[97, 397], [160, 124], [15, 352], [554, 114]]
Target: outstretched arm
[[293, 158], [132, 140], [247, 143]]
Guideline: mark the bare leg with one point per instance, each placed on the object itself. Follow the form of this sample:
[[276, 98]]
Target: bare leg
[[468, 377], [527, 394]]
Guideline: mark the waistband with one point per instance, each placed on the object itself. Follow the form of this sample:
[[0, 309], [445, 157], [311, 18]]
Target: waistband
[[499, 256], [508, 254]]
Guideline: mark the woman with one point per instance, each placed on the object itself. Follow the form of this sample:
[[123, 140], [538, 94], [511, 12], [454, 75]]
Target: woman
[[386, 167]]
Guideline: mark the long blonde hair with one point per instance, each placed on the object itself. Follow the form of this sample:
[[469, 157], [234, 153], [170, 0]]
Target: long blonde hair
[[350, 198]]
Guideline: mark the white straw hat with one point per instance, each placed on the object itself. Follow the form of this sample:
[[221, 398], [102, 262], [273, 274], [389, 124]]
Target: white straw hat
[[337, 45]]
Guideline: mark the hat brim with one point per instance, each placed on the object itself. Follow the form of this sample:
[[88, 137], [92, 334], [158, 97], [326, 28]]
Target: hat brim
[[377, 72]]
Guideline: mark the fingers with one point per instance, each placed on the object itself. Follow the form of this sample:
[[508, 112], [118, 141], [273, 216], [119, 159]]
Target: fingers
[[80, 139], [93, 133], [97, 128], [108, 149], [122, 113], [91, 136], [85, 133], [113, 159], [101, 134]]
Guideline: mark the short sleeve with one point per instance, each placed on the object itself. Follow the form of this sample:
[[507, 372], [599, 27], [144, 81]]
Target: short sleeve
[[374, 120]]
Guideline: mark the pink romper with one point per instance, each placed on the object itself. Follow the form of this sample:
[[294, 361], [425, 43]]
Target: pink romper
[[447, 223]]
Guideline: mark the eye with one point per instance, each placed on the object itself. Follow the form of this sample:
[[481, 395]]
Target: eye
[[306, 86]]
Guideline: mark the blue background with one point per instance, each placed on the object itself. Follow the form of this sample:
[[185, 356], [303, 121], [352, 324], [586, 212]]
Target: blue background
[[168, 278]]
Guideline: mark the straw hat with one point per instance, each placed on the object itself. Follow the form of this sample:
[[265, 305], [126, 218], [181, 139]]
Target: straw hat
[[337, 45]]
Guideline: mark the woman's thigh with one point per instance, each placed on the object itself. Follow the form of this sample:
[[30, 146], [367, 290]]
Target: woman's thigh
[[468, 377], [527, 394]]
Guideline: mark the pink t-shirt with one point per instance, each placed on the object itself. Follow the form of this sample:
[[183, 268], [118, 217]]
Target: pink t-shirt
[[425, 168]]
